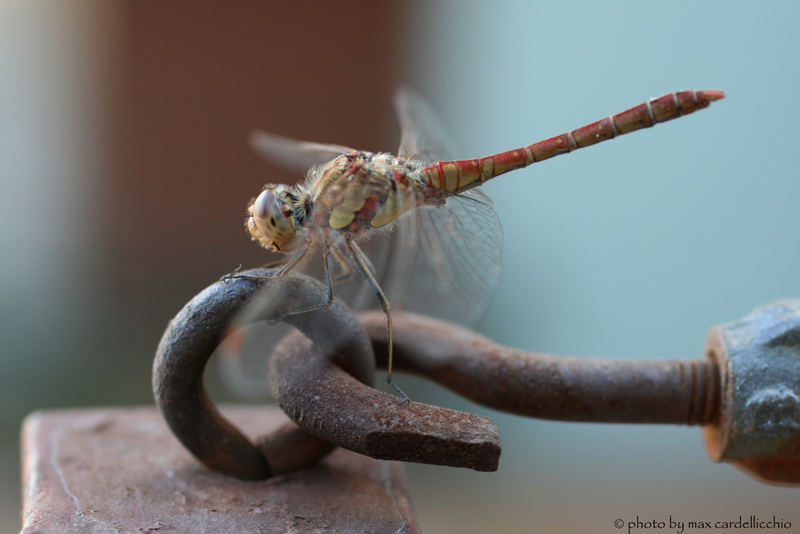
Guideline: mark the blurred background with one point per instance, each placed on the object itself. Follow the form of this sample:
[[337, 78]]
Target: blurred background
[[125, 173]]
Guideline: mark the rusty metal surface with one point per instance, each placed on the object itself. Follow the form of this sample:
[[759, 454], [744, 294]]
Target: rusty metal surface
[[191, 338], [327, 402], [121, 470], [759, 428], [551, 387]]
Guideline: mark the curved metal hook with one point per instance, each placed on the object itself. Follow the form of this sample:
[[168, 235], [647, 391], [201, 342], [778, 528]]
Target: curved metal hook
[[193, 335], [315, 379]]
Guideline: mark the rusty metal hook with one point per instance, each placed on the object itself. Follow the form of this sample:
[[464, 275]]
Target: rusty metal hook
[[188, 343], [438, 435], [321, 378]]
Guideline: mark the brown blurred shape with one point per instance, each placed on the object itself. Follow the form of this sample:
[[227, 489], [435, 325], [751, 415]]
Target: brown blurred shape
[[196, 79]]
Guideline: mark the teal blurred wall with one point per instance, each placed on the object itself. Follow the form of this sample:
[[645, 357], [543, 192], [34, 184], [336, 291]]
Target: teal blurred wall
[[633, 248]]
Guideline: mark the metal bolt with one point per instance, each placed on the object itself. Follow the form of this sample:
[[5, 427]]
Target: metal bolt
[[759, 424]]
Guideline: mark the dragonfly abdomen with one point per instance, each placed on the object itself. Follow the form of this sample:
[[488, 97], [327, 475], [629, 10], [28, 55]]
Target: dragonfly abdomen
[[461, 175]]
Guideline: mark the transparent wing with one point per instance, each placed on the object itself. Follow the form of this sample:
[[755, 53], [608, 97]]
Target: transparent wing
[[465, 241], [293, 153], [443, 261], [422, 135]]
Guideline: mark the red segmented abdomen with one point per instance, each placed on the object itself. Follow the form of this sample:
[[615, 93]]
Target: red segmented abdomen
[[461, 175]]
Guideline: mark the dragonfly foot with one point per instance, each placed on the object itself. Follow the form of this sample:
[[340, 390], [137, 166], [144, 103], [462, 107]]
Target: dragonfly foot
[[231, 276], [226, 277], [402, 393]]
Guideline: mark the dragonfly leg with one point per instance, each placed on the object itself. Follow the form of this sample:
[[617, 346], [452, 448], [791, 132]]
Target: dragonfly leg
[[363, 264], [328, 272], [285, 268], [346, 264]]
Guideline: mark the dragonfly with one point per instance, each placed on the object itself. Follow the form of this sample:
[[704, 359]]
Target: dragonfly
[[413, 226]]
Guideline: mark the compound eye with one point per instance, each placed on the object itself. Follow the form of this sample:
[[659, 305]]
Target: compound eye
[[266, 205]]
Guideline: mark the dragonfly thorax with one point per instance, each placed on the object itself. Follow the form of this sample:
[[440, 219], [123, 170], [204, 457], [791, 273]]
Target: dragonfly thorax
[[273, 218], [362, 191]]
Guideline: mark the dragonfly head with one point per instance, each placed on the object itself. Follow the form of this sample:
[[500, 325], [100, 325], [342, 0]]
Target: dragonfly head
[[271, 220]]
